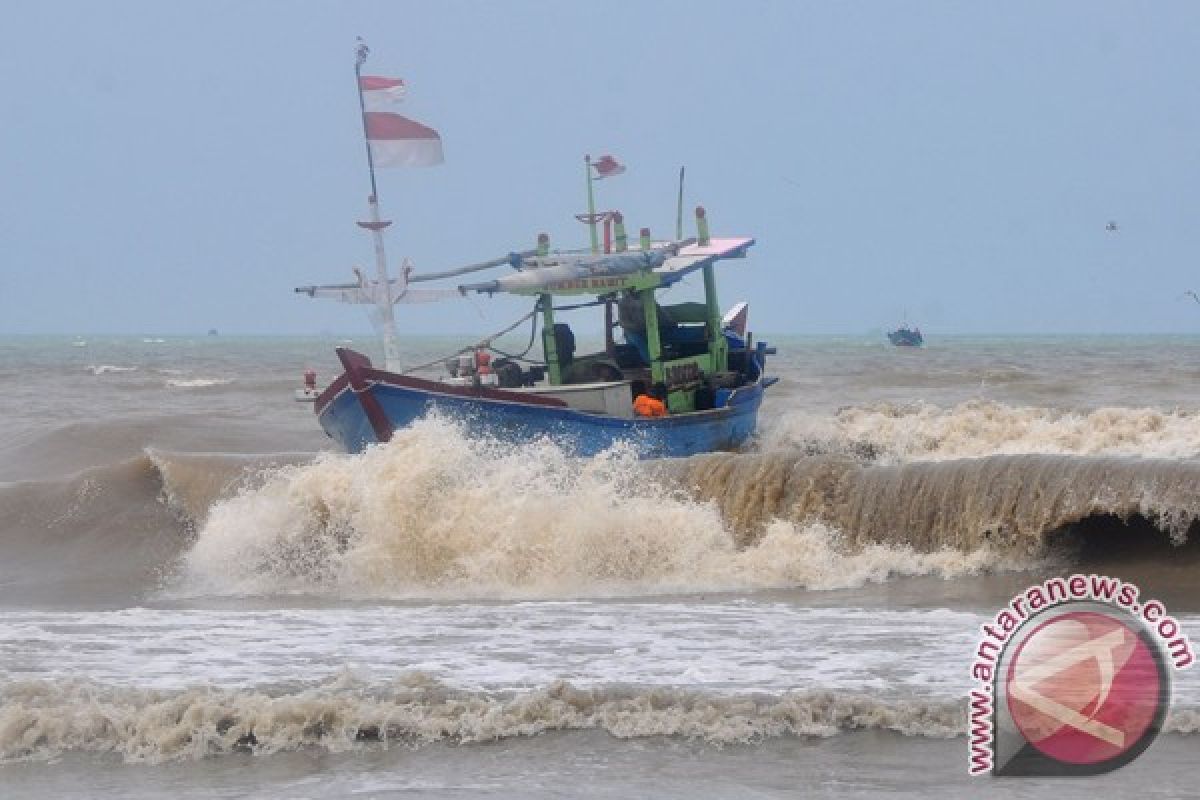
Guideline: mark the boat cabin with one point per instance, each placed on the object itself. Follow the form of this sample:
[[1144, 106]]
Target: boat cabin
[[684, 353]]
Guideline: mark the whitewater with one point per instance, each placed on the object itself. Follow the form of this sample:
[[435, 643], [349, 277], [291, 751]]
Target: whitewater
[[195, 589]]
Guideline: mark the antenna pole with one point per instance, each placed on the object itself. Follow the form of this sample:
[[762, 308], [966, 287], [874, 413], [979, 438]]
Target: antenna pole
[[376, 225]]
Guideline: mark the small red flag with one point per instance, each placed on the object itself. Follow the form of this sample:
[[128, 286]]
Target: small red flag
[[607, 166]]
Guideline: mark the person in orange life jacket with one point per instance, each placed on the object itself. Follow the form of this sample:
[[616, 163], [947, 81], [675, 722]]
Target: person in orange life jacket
[[651, 404]]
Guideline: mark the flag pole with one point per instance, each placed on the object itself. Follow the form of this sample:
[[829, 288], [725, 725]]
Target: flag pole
[[360, 59], [383, 291], [587, 166]]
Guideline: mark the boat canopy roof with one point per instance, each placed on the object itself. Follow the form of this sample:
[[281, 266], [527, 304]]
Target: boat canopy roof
[[665, 263]]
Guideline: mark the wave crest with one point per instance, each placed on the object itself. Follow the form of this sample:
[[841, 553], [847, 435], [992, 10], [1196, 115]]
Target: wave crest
[[897, 433], [40, 720], [436, 514], [1012, 504]]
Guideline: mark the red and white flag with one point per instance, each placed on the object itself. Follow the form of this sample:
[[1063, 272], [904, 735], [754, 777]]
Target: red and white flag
[[607, 166], [398, 141], [381, 94]]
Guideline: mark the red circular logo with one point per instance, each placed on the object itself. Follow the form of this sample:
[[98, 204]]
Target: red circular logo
[[1085, 687]]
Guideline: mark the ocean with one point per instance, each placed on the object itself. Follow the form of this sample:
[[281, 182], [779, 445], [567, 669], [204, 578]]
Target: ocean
[[200, 598]]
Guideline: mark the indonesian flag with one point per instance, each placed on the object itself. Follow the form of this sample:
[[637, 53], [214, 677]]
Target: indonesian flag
[[607, 166], [398, 141], [381, 94]]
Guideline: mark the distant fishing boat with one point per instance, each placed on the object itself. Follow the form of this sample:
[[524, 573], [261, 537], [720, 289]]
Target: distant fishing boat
[[685, 379], [905, 336]]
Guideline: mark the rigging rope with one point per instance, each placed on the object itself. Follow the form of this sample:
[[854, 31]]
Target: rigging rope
[[529, 346], [486, 343]]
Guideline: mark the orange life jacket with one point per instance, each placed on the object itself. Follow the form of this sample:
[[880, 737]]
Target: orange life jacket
[[647, 406]]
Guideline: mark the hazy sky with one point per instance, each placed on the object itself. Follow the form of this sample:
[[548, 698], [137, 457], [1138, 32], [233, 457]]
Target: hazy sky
[[175, 166]]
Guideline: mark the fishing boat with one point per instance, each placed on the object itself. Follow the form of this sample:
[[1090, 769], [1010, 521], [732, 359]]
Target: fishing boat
[[684, 379], [905, 336]]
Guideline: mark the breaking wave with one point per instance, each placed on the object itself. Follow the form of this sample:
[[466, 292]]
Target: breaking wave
[[1012, 504], [111, 532], [41, 720], [898, 433], [434, 513]]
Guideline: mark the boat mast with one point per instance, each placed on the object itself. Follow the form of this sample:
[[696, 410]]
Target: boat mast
[[376, 225]]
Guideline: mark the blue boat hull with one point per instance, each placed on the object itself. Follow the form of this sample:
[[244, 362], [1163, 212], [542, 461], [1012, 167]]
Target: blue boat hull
[[906, 338], [359, 415]]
